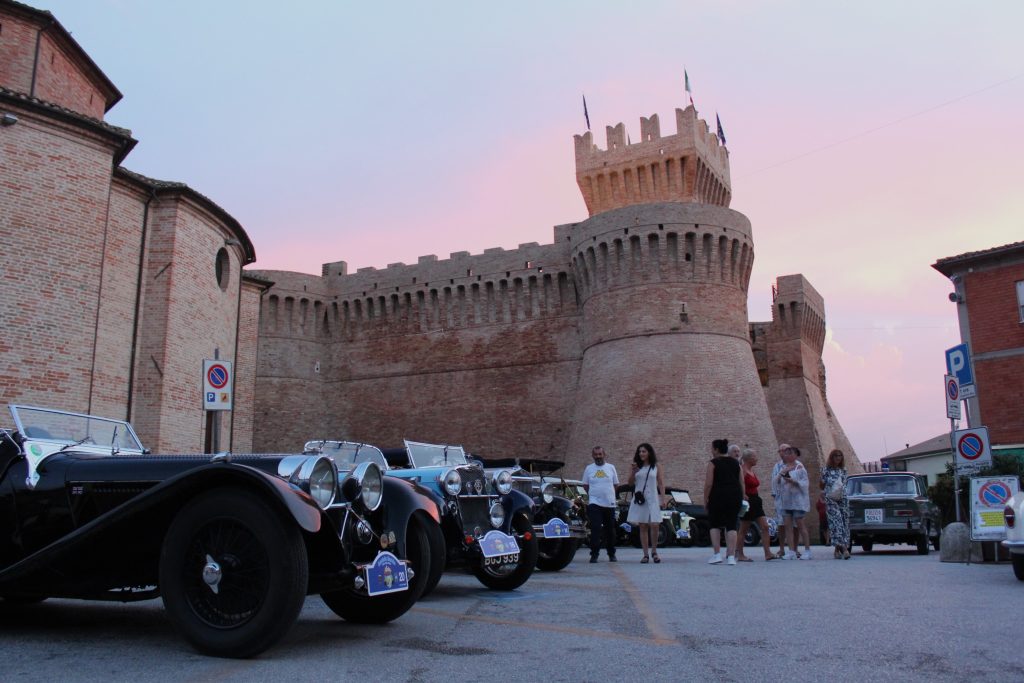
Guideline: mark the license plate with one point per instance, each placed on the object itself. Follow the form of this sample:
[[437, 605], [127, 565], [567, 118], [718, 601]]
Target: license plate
[[496, 544], [501, 560], [387, 574], [873, 515]]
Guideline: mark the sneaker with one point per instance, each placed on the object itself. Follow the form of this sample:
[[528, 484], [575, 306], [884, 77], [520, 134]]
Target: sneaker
[[806, 554], [716, 559], [612, 558], [790, 555], [593, 559], [731, 561]]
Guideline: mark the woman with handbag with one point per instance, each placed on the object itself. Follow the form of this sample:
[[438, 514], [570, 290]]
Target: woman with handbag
[[645, 508], [833, 490]]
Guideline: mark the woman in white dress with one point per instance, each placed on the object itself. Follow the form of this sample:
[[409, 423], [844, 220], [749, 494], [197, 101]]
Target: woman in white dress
[[646, 480]]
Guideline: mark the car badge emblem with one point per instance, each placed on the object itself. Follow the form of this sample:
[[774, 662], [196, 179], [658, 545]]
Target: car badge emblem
[[391, 537], [383, 540]]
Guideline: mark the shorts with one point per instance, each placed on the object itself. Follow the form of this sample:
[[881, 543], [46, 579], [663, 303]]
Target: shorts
[[795, 514], [756, 510]]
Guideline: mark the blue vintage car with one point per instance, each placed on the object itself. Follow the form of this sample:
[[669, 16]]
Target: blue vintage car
[[486, 525]]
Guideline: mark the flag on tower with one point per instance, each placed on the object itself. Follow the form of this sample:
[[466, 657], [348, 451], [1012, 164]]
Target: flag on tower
[[585, 114], [721, 133], [686, 80]]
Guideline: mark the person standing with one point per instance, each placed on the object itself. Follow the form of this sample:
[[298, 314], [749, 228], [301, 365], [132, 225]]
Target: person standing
[[723, 497], [780, 527], [645, 508], [794, 499], [837, 506], [754, 515], [599, 481]]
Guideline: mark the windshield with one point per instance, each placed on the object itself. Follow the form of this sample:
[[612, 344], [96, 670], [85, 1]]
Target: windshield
[[40, 424], [434, 455], [348, 454], [681, 497], [881, 486]]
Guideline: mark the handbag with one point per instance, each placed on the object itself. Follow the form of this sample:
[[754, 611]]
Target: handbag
[[837, 491], [638, 496]]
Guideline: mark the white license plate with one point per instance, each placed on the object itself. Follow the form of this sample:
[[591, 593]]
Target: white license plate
[[873, 515]]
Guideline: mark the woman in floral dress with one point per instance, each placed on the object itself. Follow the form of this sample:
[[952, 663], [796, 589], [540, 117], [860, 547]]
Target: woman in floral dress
[[833, 479]]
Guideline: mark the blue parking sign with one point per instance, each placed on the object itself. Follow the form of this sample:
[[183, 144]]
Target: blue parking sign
[[958, 364], [210, 397]]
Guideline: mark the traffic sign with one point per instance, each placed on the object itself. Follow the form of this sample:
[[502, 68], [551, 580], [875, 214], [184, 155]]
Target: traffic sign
[[972, 448], [958, 363], [988, 497], [217, 385], [952, 397]]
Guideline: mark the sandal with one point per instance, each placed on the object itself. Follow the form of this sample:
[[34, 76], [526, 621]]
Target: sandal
[[657, 560], [769, 558], [645, 560], [744, 559]]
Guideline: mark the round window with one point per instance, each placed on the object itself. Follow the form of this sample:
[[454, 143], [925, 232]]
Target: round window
[[222, 267]]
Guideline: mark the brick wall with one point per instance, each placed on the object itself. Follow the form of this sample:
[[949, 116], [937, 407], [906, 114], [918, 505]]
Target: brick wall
[[17, 51], [991, 297], [54, 186]]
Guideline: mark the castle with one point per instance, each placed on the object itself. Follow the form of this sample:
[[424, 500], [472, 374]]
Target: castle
[[630, 326]]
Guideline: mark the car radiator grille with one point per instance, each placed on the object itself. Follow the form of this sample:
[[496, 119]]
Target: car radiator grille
[[475, 513]]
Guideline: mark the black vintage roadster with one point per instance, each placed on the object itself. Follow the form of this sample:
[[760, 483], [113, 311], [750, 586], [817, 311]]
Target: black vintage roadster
[[231, 543]]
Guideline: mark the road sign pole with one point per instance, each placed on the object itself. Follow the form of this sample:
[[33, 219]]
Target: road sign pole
[[956, 473], [215, 423]]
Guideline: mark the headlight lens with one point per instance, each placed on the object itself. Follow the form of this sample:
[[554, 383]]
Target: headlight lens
[[453, 482], [497, 515], [548, 493], [372, 482], [503, 481], [319, 479]]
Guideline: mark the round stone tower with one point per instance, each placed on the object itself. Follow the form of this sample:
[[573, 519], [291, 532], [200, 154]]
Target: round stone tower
[[661, 268]]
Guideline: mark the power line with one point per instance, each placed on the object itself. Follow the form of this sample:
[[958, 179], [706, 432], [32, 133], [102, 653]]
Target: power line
[[883, 126]]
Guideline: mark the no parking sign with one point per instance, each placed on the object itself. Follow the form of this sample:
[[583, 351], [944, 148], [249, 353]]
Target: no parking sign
[[988, 497], [972, 448], [217, 381]]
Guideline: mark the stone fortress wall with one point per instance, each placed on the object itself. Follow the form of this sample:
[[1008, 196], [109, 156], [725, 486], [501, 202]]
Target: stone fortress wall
[[630, 326]]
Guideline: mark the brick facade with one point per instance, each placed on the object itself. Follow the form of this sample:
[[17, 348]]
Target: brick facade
[[986, 284]]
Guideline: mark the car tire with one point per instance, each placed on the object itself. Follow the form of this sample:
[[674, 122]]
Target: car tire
[[752, 539], [922, 543], [510, 579], [665, 534], [937, 542], [438, 556], [703, 535], [22, 600], [634, 536], [866, 546], [1018, 565], [263, 568], [554, 555], [359, 608]]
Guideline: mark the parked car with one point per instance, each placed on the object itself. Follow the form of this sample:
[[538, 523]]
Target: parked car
[[554, 498], [486, 525], [892, 507], [700, 528], [231, 543], [1013, 514]]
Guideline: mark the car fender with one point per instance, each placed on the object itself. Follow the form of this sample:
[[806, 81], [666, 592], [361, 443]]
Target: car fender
[[403, 500], [515, 503]]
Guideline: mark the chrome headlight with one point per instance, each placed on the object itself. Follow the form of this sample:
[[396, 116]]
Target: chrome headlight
[[548, 493], [503, 481], [314, 475], [365, 483], [497, 515], [453, 482]]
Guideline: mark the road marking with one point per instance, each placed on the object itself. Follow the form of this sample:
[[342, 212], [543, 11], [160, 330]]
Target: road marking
[[532, 625], [654, 627]]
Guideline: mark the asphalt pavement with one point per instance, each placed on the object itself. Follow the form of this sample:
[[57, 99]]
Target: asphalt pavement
[[888, 615]]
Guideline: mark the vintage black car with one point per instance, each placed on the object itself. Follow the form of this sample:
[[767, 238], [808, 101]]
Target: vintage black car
[[559, 508], [892, 507], [486, 525], [231, 543]]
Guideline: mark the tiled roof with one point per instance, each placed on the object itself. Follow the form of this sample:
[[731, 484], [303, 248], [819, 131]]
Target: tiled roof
[[125, 135], [936, 444], [172, 186], [946, 266]]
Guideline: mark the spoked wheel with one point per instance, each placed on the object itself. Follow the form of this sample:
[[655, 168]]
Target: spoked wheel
[[233, 573], [511, 576], [555, 554], [356, 606]]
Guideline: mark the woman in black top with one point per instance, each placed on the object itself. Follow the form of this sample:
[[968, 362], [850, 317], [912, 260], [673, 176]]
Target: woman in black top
[[723, 496]]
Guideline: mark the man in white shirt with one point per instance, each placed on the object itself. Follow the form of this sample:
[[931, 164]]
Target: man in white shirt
[[599, 481]]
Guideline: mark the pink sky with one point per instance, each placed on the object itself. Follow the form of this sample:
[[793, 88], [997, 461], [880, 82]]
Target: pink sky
[[378, 134]]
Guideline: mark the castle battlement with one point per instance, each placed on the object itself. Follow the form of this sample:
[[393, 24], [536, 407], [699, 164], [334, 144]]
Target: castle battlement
[[690, 166]]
